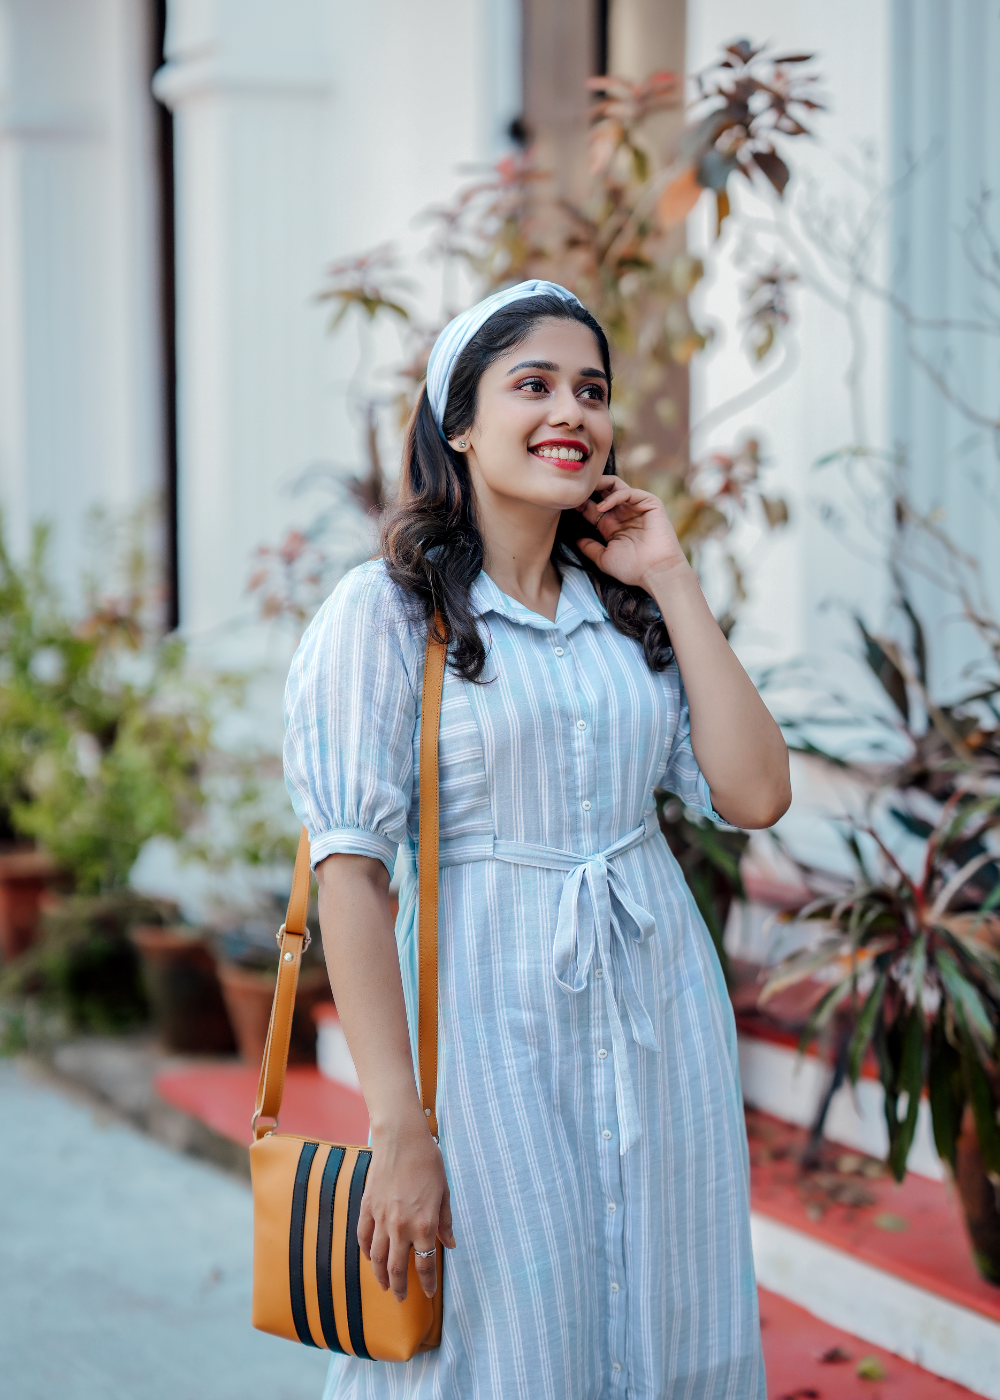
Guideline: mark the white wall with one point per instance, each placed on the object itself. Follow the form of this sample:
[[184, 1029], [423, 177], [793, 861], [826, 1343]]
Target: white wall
[[80, 386], [946, 154], [800, 578]]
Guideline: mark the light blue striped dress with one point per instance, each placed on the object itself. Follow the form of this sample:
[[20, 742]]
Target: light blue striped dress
[[588, 1097]]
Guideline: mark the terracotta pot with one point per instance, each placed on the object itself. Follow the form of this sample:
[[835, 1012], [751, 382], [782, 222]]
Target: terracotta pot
[[25, 876], [249, 993], [182, 984], [980, 1201]]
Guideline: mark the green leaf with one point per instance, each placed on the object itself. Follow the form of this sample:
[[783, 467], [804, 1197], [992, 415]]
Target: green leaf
[[985, 1111], [823, 1012], [886, 671], [916, 826], [864, 1028], [965, 995], [946, 1091], [911, 1080], [918, 641]]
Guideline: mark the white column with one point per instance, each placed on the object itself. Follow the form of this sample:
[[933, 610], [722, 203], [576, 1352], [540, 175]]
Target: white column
[[249, 84], [304, 133], [80, 407], [946, 153]]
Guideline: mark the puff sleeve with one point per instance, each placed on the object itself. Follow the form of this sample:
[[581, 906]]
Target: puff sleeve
[[350, 716]]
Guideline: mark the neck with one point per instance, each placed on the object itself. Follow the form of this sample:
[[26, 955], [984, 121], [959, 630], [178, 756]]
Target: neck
[[518, 538]]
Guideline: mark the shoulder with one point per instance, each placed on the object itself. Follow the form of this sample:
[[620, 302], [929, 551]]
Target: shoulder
[[366, 620], [366, 595]]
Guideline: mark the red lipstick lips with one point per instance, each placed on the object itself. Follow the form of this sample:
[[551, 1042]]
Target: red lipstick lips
[[568, 453]]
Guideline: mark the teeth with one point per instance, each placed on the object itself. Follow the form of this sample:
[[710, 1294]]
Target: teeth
[[560, 454]]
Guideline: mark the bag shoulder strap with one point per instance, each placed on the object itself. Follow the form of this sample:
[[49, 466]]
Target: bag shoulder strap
[[294, 937]]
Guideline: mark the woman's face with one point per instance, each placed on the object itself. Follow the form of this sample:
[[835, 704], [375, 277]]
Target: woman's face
[[543, 429]]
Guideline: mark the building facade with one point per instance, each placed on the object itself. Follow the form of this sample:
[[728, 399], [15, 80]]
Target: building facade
[[175, 178]]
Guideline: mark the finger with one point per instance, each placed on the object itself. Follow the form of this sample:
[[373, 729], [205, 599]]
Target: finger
[[619, 492], [593, 549], [399, 1264], [366, 1228], [426, 1268], [590, 510], [446, 1233], [380, 1258]]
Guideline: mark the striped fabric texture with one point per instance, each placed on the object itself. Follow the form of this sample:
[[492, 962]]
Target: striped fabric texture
[[588, 1094]]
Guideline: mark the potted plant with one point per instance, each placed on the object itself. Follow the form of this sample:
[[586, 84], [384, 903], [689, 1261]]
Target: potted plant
[[248, 968], [911, 961], [181, 981], [105, 742], [84, 965]]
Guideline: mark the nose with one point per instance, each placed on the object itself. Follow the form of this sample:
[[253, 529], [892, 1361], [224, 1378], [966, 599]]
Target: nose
[[565, 410]]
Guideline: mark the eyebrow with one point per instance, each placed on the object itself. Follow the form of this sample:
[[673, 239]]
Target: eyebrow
[[554, 368]]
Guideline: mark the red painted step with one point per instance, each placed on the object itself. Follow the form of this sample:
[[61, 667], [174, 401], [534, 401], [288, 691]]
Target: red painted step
[[795, 1343], [222, 1096], [914, 1230]]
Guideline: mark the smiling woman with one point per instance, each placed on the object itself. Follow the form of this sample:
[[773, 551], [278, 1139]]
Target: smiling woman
[[591, 1133], [433, 545]]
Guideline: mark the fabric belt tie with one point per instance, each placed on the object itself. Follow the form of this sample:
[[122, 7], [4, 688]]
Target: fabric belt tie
[[582, 934]]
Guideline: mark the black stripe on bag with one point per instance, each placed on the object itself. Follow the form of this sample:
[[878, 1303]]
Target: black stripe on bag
[[324, 1246], [296, 1243], [352, 1256]]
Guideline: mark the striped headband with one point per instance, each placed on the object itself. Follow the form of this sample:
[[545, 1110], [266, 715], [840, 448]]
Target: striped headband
[[458, 332]]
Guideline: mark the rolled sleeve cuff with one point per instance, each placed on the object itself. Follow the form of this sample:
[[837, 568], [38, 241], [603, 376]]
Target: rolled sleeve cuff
[[352, 841], [703, 807]]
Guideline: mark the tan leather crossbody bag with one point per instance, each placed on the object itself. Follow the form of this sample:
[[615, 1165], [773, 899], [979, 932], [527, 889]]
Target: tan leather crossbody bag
[[311, 1282]]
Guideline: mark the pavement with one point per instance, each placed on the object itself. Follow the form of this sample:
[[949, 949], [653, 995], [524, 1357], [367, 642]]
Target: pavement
[[124, 1266]]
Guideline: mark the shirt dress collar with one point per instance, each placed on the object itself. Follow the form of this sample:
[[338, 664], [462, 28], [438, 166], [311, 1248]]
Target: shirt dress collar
[[577, 603]]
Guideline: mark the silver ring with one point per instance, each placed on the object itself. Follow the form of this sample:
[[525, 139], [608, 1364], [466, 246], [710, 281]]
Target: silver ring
[[425, 1253]]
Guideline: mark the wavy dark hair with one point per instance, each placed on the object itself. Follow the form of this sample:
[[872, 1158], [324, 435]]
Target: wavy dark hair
[[431, 543]]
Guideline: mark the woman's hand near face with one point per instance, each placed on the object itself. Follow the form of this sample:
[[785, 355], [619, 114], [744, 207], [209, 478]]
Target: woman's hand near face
[[739, 747], [639, 540]]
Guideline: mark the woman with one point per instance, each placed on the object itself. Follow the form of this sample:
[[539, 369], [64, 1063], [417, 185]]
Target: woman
[[592, 1149]]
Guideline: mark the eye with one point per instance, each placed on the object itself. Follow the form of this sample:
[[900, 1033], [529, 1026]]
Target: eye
[[536, 385], [595, 392]]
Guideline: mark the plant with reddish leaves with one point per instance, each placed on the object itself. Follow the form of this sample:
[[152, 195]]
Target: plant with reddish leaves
[[917, 983], [622, 251]]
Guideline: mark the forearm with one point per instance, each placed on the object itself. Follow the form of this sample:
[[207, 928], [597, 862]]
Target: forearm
[[736, 741], [361, 957]]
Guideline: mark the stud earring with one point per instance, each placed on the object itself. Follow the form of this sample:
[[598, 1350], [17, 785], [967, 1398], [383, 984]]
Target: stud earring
[[462, 444]]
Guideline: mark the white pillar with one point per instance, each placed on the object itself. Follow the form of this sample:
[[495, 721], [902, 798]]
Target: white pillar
[[946, 153], [249, 84], [304, 133], [80, 388]]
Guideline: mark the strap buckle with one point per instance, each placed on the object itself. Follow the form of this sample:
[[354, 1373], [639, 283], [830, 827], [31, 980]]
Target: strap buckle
[[306, 938], [253, 1124]]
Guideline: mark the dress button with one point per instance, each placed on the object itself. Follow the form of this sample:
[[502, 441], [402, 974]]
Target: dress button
[[614, 1288], [598, 971], [559, 651], [581, 724], [606, 1135], [615, 1366], [612, 1207], [602, 1054], [586, 804]]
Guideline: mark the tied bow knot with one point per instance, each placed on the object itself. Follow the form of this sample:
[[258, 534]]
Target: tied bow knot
[[585, 936]]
